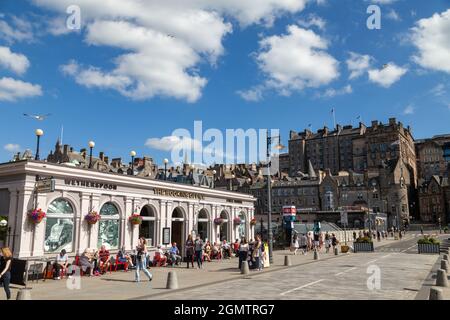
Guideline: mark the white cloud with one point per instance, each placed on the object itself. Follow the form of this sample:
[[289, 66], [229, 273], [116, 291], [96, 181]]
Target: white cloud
[[313, 20], [11, 147], [16, 31], [382, 1], [165, 42], [254, 94], [15, 62], [11, 89], [393, 15], [296, 60], [431, 36], [169, 143], [409, 110], [331, 93], [438, 90], [388, 75], [358, 64]]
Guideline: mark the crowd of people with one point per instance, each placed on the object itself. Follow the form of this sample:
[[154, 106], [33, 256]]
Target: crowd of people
[[311, 241]]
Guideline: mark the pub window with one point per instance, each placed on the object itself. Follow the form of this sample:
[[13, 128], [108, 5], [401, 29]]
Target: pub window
[[108, 226], [59, 226]]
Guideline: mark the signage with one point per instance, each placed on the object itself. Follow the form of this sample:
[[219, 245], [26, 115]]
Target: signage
[[344, 217], [289, 210], [90, 184], [166, 236], [180, 194], [45, 185]]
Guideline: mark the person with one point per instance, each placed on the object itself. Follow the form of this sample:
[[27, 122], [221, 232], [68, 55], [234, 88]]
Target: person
[[334, 241], [104, 258], [236, 248], [400, 234], [243, 251], [421, 230], [198, 246], [5, 270], [309, 241], [190, 251], [86, 262], [159, 257], [327, 242], [304, 244], [378, 235], [316, 241], [141, 260], [124, 257], [207, 251], [354, 235], [226, 248], [216, 251], [62, 261], [294, 244], [174, 254], [256, 253]]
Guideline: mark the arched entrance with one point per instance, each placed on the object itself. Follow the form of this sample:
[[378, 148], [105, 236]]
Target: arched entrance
[[223, 231], [203, 224], [148, 227], [242, 228], [178, 234]]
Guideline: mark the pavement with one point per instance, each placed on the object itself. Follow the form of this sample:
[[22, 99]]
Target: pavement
[[402, 273]]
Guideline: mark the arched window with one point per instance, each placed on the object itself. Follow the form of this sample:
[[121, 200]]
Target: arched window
[[108, 226], [59, 226], [147, 228], [241, 227]]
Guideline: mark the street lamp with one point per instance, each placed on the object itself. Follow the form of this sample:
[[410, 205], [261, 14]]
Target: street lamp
[[166, 161], [3, 223], [279, 146], [231, 182], [439, 220], [214, 178], [132, 154], [91, 146], [38, 133]]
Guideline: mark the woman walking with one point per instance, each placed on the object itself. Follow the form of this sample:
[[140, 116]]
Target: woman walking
[[198, 245], [141, 260], [294, 244], [243, 251], [5, 271], [190, 251], [256, 253]]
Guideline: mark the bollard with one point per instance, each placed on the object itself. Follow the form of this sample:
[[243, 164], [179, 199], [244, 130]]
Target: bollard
[[172, 280], [436, 294], [287, 261], [444, 265], [336, 252], [244, 267], [316, 255], [24, 294], [441, 278]]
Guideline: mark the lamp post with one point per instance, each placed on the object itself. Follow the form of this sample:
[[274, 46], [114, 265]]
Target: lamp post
[[39, 133], [132, 154], [231, 182], [166, 161], [91, 146], [214, 178], [279, 146], [439, 220]]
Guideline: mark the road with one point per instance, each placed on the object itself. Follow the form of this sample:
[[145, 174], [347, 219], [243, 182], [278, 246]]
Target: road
[[354, 276]]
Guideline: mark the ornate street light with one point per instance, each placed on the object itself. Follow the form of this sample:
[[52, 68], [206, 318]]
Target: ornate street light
[[39, 133], [166, 161], [132, 154], [91, 146], [214, 178]]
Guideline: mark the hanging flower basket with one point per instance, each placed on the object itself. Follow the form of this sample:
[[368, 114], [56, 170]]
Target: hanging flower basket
[[253, 222], [92, 217], [135, 219], [36, 215], [237, 221], [218, 221]]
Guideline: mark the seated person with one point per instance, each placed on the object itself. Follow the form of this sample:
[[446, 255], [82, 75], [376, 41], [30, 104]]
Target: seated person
[[104, 259], [216, 252], [62, 262], [174, 254], [159, 258], [123, 257], [207, 251], [236, 247], [87, 261], [226, 248]]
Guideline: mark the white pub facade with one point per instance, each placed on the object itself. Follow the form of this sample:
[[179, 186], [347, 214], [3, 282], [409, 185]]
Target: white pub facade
[[170, 211]]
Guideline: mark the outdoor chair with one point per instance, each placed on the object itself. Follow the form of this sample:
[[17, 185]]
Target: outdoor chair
[[118, 263]]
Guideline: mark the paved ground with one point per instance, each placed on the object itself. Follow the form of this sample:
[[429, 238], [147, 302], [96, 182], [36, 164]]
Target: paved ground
[[332, 277]]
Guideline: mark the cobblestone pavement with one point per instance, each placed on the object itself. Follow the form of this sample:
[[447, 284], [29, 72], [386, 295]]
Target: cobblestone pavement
[[222, 279]]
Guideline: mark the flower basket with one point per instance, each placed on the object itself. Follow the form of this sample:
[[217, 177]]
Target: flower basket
[[344, 248], [218, 221], [36, 215], [237, 221], [253, 222], [92, 217], [135, 219]]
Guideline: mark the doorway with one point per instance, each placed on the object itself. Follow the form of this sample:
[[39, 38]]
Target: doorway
[[178, 229]]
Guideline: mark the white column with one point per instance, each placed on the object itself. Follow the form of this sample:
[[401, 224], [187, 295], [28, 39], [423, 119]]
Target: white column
[[81, 227], [93, 229], [128, 230], [192, 212], [215, 228], [13, 233], [37, 243], [24, 228], [169, 205]]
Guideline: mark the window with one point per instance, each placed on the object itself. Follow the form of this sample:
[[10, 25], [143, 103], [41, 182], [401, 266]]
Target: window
[[108, 226], [59, 227], [147, 228]]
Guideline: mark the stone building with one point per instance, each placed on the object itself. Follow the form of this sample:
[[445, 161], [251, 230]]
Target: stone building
[[434, 200], [433, 156]]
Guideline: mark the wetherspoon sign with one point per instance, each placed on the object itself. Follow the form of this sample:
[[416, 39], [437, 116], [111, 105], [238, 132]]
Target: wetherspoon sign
[[179, 194]]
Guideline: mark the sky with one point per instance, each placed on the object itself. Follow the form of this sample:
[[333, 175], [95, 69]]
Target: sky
[[127, 74]]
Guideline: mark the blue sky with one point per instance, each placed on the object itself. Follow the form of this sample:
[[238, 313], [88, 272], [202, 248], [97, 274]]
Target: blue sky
[[135, 73]]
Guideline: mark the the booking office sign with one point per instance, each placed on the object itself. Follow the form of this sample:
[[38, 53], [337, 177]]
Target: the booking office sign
[[90, 184], [178, 194]]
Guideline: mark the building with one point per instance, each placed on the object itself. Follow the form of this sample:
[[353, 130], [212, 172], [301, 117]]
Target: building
[[170, 211], [433, 156]]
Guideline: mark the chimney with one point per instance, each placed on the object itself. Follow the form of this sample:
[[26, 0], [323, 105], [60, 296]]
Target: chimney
[[325, 131], [392, 121], [71, 149], [375, 124], [106, 159], [66, 149], [339, 128], [101, 156]]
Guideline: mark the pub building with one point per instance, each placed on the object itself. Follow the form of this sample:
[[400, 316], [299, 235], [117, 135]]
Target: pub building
[[170, 211]]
